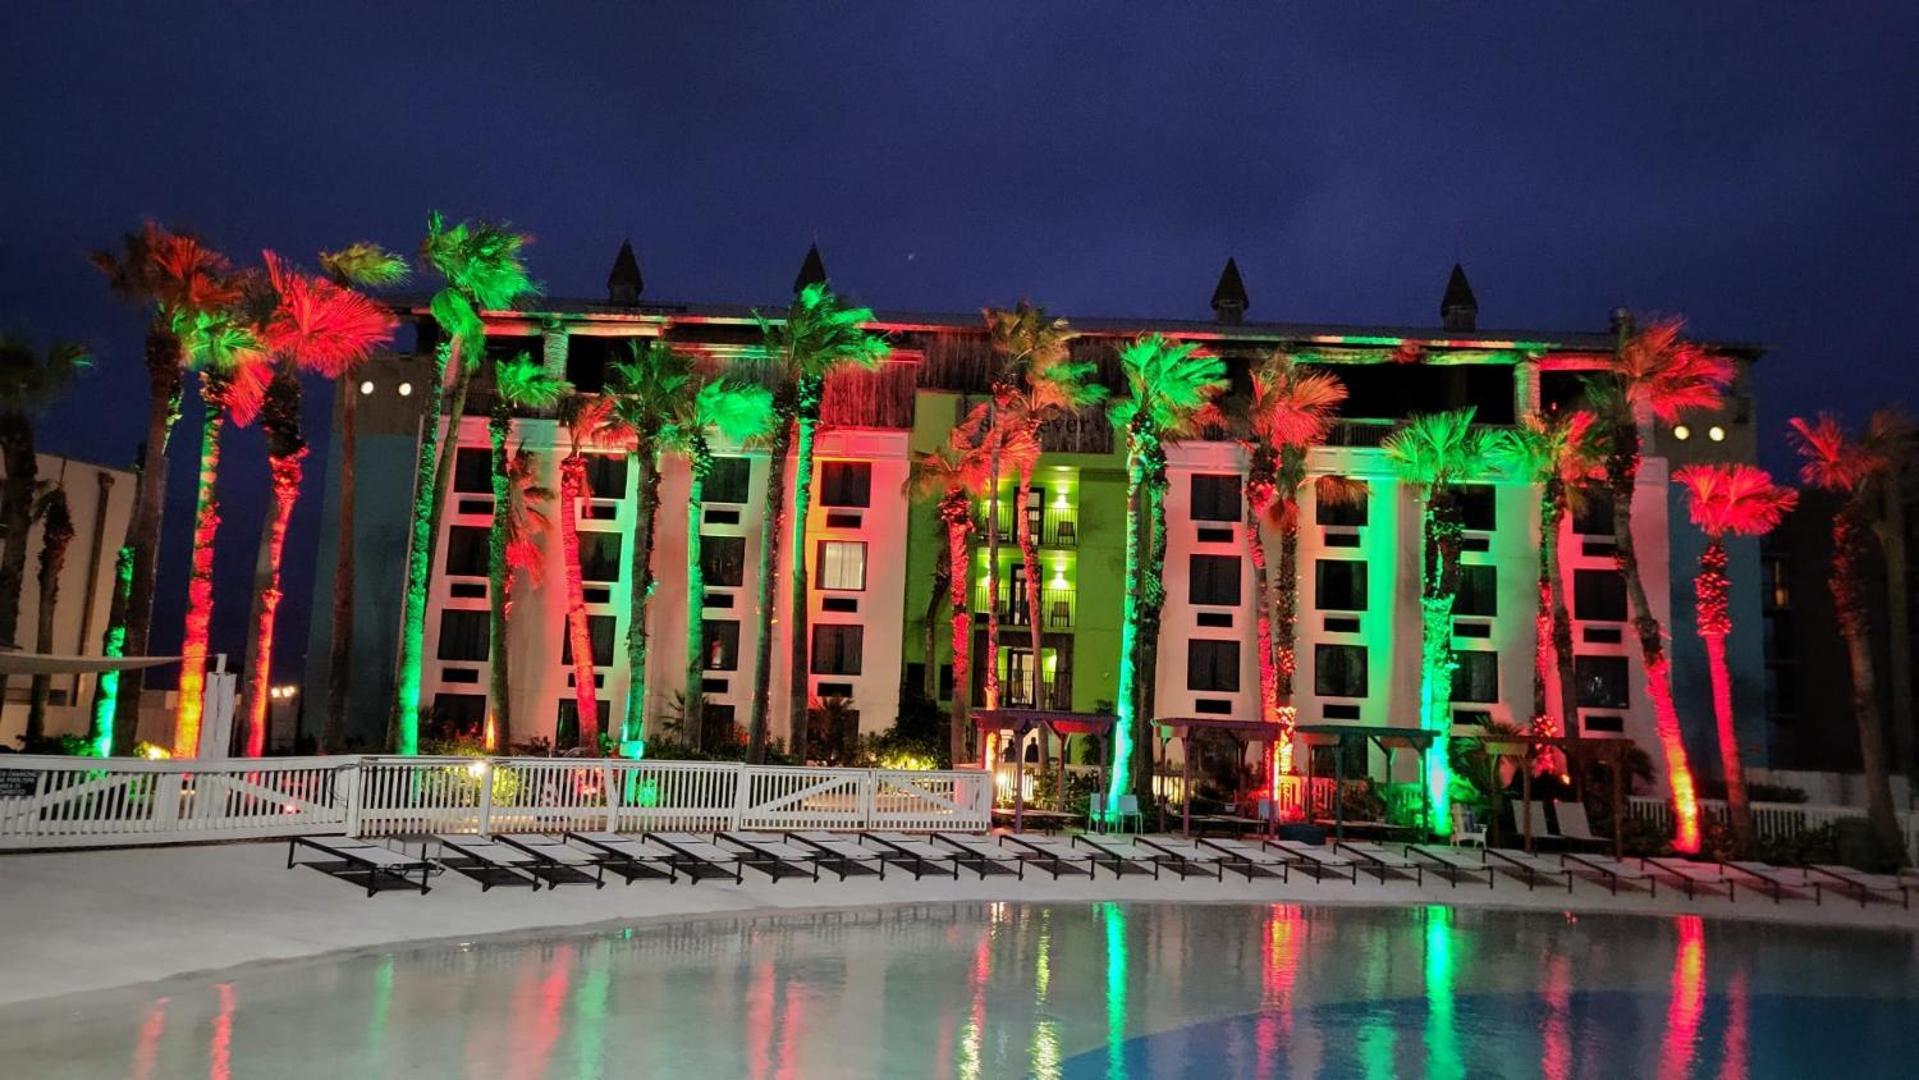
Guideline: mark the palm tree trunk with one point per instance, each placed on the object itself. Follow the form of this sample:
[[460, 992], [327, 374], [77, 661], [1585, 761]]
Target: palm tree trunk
[[16, 519], [1848, 599], [694, 711], [56, 533], [991, 659], [1152, 585], [579, 634], [1548, 623], [1029, 564], [194, 644], [1622, 473], [646, 489], [1562, 628], [1256, 508], [340, 646], [164, 385], [797, 669], [1285, 632], [106, 688], [499, 726], [929, 634], [286, 471], [403, 726], [1126, 706], [959, 558], [772, 517], [1440, 545], [1715, 622]]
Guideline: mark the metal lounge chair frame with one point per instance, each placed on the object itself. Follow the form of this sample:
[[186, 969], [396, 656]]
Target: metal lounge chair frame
[[1374, 860], [1306, 857], [1048, 856], [1447, 868], [1527, 868], [1863, 887], [1614, 874], [378, 868], [1241, 861], [1178, 862], [1752, 873], [1688, 874], [981, 858], [681, 856], [849, 856], [630, 865], [781, 850], [920, 861], [554, 870], [471, 860]]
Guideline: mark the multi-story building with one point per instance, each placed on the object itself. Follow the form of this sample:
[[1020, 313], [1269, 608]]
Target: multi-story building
[[874, 548]]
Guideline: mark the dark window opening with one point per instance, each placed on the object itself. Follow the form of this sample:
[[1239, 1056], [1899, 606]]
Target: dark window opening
[[720, 644], [837, 649], [1213, 579], [1215, 497], [728, 480], [1478, 508], [1348, 511], [473, 470], [723, 560], [600, 556], [1339, 585], [1212, 665], [1599, 595], [463, 635], [587, 358], [1476, 679], [1478, 592], [1602, 682], [606, 475], [599, 630], [1339, 670], [1593, 515], [846, 483]]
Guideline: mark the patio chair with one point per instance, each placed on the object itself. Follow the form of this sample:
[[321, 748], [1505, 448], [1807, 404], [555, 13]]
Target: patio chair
[[980, 856], [849, 855], [1448, 863], [1249, 859], [1576, 828], [625, 856], [1381, 862], [373, 866], [1468, 831], [485, 861], [553, 862]]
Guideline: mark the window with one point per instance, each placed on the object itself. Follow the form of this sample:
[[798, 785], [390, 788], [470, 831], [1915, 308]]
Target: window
[[1341, 501], [1213, 579], [600, 556], [1215, 497], [460, 714], [1339, 585], [1478, 591], [1600, 595], [466, 550], [1212, 665], [846, 483], [473, 470], [1602, 682], [1476, 679], [728, 480], [841, 565], [606, 475], [462, 634], [1477, 507], [1339, 670], [836, 649], [1594, 514], [587, 356], [599, 629], [720, 644], [566, 729], [723, 560]]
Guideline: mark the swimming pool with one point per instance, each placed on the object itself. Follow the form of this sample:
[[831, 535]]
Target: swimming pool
[[1051, 990]]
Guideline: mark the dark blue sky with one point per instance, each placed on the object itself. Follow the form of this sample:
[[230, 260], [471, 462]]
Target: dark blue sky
[[1750, 166]]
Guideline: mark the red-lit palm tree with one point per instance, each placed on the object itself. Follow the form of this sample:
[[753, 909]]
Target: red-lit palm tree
[[1654, 372], [955, 473], [584, 415], [519, 523], [1741, 500], [312, 326], [171, 274], [1859, 470]]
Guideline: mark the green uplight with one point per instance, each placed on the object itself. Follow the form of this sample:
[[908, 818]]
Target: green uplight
[[1442, 1042], [107, 695], [1113, 917]]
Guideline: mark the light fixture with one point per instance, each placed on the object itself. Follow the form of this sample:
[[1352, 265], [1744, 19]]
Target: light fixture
[[406, 389], [1716, 433], [366, 387], [1681, 432]]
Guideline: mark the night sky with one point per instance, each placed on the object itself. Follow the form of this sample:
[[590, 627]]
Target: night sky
[[1752, 171]]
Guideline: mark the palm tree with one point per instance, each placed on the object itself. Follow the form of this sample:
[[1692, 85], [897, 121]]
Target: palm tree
[[1559, 454], [171, 274], [484, 270], [740, 412], [359, 265], [1435, 453], [1858, 469], [1000, 446], [1742, 500], [28, 380], [1289, 411], [645, 393], [518, 522], [317, 326], [56, 532], [955, 473], [1654, 373], [113, 644], [1170, 394], [818, 336], [584, 416], [224, 347]]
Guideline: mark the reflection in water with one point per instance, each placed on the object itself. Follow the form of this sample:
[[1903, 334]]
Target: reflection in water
[[1074, 991]]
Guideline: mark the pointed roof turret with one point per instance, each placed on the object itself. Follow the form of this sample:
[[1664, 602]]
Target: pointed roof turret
[[624, 284], [1458, 309], [812, 271], [1229, 296]]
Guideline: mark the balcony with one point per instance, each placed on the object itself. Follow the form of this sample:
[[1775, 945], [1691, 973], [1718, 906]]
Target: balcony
[[1060, 606], [1056, 692], [1052, 525]]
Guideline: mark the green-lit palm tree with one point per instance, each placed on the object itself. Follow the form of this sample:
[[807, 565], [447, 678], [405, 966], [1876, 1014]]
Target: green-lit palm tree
[[818, 336], [1170, 395], [739, 412], [29, 379], [484, 269], [1436, 452], [954, 473], [519, 521], [171, 275], [1655, 372]]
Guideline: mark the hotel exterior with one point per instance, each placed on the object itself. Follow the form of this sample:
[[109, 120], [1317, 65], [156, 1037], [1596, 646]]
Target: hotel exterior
[[874, 548]]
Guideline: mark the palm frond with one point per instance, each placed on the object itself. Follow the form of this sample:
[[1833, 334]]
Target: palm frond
[[1440, 449], [1662, 373], [365, 265], [483, 260], [1831, 458], [318, 325], [29, 378], [741, 412], [525, 383], [1171, 388], [1739, 499]]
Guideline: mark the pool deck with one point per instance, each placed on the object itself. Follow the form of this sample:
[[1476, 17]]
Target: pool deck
[[91, 920]]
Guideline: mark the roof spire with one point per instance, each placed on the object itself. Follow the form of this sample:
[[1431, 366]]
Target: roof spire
[[624, 284], [812, 271], [1458, 309], [1229, 296]]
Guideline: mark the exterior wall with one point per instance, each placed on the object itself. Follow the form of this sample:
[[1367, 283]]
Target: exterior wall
[[100, 501], [1180, 619]]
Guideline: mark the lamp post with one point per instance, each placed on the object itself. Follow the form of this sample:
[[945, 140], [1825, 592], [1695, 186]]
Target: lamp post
[[279, 697]]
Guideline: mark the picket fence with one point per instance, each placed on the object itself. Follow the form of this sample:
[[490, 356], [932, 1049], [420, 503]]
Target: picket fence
[[1777, 821], [65, 802]]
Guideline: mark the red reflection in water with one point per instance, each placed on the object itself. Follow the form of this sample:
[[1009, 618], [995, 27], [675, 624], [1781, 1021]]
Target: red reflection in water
[[220, 1049], [1555, 1059], [759, 1023], [1688, 1002], [1733, 1065], [146, 1049], [791, 1022], [538, 1004], [1279, 967]]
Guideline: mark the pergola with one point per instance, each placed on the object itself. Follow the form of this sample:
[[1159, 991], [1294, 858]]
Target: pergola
[[1062, 724], [1612, 752], [1387, 739], [1184, 728]]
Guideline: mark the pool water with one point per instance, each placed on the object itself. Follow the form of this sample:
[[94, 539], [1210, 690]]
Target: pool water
[[1048, 990]]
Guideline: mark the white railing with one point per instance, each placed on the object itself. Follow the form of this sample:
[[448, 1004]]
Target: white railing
[[60, 802], [1777, 821]]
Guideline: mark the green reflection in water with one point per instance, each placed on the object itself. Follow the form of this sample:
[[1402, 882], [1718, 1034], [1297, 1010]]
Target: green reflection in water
[[1442, 1043], [1113, 917], [1377, 1037], [589, 1011], [382, 1002], [1044, 1055]]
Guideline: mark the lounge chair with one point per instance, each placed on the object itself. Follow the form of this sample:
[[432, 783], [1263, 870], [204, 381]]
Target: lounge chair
[[1693, 877], [849, 857], [1531, 869], [1250, 859], [626, 857], [766, 847], [909, 846], [1765, 878], [981, 855], [1116, 854], [1448, 863], [370, 865], [555, 863], [1605, 870], [1861, 886], [1380, 861], [1170, 854], [1316, 860], [701, 859], [485, 861], [1574, 831], [1049, 853]]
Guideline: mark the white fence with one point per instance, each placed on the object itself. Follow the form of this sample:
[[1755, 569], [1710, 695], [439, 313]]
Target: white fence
[[62, 802], [1774, 821]]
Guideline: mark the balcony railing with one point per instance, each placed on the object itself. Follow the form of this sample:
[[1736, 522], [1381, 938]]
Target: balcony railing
[[1059, 607], [1016, 692], [1052, 526]]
